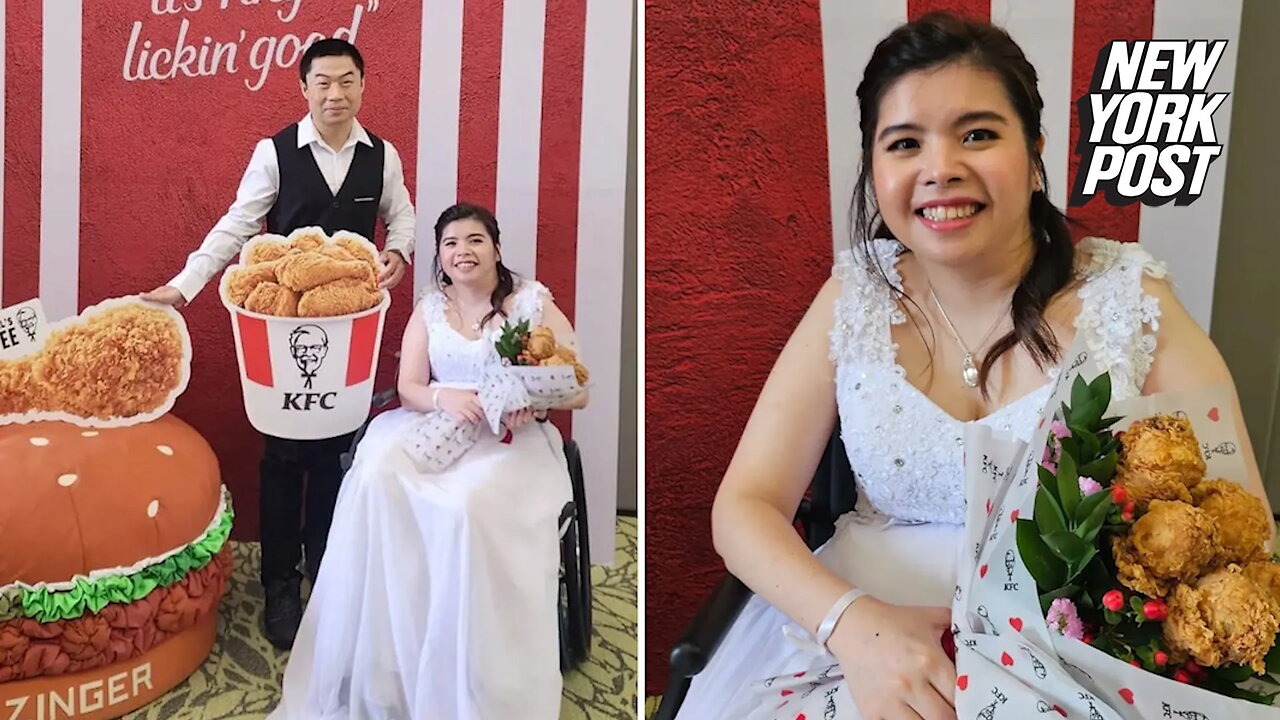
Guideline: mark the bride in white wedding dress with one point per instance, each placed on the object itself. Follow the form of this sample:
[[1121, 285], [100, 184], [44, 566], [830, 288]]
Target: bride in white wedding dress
[[437, 596], [952, 309]]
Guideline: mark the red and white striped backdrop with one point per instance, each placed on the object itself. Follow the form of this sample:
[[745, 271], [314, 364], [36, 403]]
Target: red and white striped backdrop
[[519, 105], [1061, 39]]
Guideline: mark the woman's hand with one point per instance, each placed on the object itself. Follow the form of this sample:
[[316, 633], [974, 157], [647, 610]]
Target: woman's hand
[[894, 662], [516, 418], [461, 404]]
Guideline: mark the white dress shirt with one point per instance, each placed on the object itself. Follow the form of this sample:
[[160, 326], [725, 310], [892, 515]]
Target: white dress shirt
[[260, 186]]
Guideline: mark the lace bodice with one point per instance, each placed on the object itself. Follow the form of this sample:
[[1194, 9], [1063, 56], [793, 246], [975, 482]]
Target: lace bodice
[[906, 452], [456, 359]]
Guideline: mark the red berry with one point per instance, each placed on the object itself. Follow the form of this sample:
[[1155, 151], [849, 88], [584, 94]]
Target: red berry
[[1087, 639], [1162, 658], [1128, 507], [1155, 610], [1192, 667], [1182, 676], [1113, 600], [1118, 494], [1136, 664]]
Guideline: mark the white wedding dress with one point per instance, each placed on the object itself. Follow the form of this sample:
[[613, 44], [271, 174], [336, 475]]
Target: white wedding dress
[[437, 595], [901, 541]]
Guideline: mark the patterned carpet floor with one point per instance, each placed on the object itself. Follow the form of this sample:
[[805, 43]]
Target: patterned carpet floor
[[241, 679]]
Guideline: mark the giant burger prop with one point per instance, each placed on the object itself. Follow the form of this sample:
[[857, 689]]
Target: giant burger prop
[[114, 521]]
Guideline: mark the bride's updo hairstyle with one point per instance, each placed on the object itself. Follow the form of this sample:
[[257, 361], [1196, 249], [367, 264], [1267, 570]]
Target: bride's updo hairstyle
[[939, 39]]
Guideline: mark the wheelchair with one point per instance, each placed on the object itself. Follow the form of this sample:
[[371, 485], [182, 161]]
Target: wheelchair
[[574, 607], [832, 493]]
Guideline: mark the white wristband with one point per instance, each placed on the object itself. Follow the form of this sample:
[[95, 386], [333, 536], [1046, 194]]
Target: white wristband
[[435, 398], [828, 624]]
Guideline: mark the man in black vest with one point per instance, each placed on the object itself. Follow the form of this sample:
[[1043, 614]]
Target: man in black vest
[[327, 171]]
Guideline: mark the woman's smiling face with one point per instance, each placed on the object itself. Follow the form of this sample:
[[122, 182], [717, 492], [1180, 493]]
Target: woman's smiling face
[[951, 169]]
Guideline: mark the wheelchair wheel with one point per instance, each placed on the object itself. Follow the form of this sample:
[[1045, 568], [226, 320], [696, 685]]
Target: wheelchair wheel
[[580, 608], [568, 605]]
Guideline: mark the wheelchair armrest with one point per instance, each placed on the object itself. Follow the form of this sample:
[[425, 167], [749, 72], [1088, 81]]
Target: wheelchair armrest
[[385, 398], [700, 640]]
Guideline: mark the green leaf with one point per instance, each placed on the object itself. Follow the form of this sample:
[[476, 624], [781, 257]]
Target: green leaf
[[1146, 655], [1234, 673], [1088, 415], [1080, 394], [1087, 505], [1135, 602], [1048, 571], [1092, 525], [1066, 545], [1112, 617], [1068, 483], [1090, 446], [1273, 657], [1046, 599], [1049, 517], [1048, 480], [1079, 566], [1105, 423], [1100, 389], [1103, 469]]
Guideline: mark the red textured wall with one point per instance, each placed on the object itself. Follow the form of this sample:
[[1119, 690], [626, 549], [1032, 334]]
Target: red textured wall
[[161, 161], [737, 241]]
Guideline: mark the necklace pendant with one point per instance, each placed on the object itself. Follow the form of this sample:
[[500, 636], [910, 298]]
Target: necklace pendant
[[970, 372]]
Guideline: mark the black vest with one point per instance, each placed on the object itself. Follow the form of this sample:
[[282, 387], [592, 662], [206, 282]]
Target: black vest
[[304, 198]]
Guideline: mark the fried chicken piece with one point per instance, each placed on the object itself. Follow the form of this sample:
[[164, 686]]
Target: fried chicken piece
[[542, 343], [1159, 460], [265, 249], [340, 297], [1172, 541], [1242, 520], [20, 391], [335, 252], [308, 241], [121, 362], [307, 270], [358, 251], [1224, 617], [1267, 575], [272, 299], [563, 357], [243, 280]]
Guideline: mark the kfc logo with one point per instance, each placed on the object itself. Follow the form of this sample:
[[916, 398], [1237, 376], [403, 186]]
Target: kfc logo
[[308, 344]]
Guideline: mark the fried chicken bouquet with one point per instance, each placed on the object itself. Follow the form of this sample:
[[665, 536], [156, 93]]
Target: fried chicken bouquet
[[307, 274], [1115, 567], [532, 371]]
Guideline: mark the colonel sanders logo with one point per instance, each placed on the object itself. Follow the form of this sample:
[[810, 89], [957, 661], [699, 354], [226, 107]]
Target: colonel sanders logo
[[308, 344], [27, 321]]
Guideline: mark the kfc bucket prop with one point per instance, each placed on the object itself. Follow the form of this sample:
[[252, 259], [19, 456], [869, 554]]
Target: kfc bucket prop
[[307, 378]]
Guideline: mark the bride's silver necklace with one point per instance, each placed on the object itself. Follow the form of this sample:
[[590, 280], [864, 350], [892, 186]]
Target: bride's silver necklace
[[462, 320], [969, 371]]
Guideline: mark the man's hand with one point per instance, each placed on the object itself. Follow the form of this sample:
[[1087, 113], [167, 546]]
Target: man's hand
[[166, 294], [392, 269]]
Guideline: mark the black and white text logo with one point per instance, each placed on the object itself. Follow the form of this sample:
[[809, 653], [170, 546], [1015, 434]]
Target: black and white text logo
[[1146, 127]]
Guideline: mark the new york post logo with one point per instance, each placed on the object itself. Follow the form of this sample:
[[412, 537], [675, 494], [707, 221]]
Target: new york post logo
[[1146, 126], [308, 346]]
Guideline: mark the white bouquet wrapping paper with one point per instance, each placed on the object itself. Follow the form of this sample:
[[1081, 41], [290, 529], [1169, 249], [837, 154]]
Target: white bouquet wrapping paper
[[437, 439]]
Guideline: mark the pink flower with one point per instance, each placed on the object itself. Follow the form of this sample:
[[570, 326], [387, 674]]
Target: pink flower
[[1064, 619], [1089, 486], [1060, 429], [1051, 466]]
